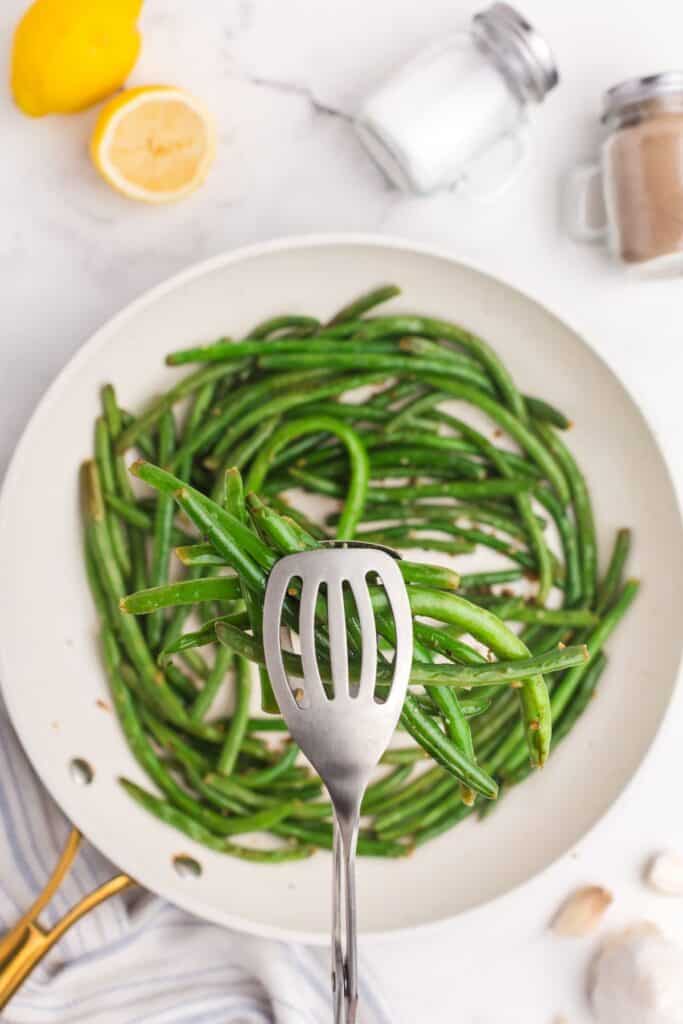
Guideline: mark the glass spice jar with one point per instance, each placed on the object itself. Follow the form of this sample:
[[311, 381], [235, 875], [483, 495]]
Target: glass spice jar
[[633, 197], [456, 114]]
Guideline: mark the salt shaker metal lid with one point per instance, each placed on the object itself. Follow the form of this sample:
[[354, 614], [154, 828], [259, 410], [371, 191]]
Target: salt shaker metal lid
[[519, 50]]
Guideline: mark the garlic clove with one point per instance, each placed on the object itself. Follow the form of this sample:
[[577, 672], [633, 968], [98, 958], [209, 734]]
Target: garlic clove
[[637, 978], [582, 912], [664, 874]]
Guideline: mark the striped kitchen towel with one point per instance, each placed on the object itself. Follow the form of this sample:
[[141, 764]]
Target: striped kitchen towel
[[137, 958]]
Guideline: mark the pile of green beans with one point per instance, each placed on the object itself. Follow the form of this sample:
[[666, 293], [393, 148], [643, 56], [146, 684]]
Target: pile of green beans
[[279, 411]]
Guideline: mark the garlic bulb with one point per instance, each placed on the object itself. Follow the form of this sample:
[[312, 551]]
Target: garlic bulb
[[637, 978]]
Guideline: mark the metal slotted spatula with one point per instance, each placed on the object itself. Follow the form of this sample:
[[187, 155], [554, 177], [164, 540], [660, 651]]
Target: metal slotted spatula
[[331, 707]]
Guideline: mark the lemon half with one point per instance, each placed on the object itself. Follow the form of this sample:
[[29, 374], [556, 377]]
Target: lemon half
[[155, 143]]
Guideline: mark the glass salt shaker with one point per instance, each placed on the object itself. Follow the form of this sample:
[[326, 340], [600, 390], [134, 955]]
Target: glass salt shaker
[[456, 114]]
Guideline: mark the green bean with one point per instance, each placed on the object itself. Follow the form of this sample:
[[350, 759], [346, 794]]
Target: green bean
[[229, 351], [181, 683], [233, 406], [595, 642], [410, 543], [381, 362], [504, 709], [612, 577], [217, 588], [447, 641], [219, 801], [378, 791], [321, 835], [401, 391], [231, 787], [105, 466], [469, 539], [144, 441], [138, 553], [430, 575], [199, 555], [185, 387], [169, 740], [252, 443], [238, 724], [452, 812], [516, 428], [541, 410], [519, 769], [230, 538], [415, 788], [493, 488], [265, 776], [195, 662], [101, 600], [504, 644], [526, 513], [142, 750], [567, 534], [199, 410], [285, 509], [266, 725], [363, 412], [279, 323], [200, 637], [479, 580], [519, 611], [128, 511], [167, 813], [444, 751], [500, 671], [385, 822], [427, 817], [358, 484], [151, 679], [432, 512], [282, 403], [214, 681], [136, 516], [235, 504], [407, 755], [454, 720], [440, 330], [457, 727], [163, 523], [582, 507], [403, 461], [583, 695], [508, 753], [356, 309]]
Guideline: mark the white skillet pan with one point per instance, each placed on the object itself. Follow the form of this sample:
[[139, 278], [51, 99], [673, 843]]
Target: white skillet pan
[[51, 674]]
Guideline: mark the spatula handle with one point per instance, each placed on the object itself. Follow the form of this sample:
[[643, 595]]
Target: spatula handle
[[344, 924]]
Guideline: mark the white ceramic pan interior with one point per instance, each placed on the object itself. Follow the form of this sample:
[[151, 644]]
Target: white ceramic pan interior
[[51, 673]]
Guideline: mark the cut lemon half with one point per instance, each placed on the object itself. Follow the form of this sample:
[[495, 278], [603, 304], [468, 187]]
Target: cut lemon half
[[155, 143]]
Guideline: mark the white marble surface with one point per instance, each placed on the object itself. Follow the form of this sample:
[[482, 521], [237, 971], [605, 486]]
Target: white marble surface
[[282, 77]]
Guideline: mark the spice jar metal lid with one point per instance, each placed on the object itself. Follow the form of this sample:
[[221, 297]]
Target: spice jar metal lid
[[521, 53], [635, 91]]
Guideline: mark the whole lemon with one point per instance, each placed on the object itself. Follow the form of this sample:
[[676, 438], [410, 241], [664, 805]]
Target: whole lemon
[[68, 54]]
